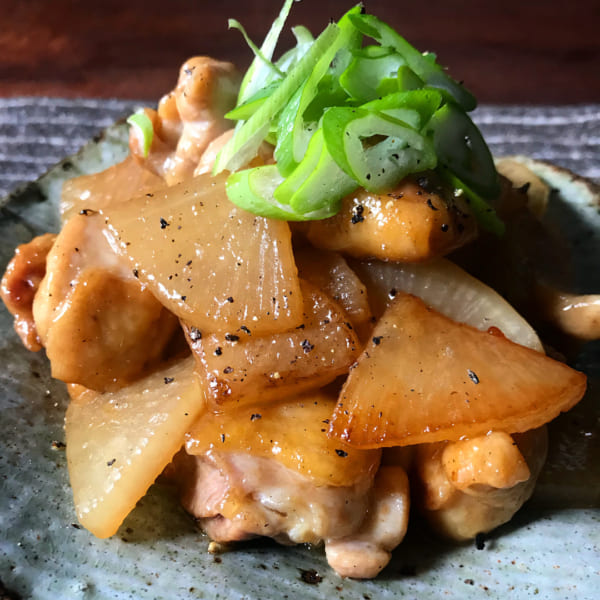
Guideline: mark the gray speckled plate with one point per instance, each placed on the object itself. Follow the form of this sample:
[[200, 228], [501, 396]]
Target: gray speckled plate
[[158, 553]]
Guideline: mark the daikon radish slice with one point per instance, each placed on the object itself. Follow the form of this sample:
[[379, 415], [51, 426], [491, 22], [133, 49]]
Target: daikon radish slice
[[119, 442], [211, 263], [116, 184], [450, 290], [330, 272], [426, 378], [241, 367]]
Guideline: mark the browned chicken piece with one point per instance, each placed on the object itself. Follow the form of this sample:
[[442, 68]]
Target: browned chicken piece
[[413, 222], [473, 486], [100, 327], [116, 184], [237, 496], [243, 368], [20, 283], [188, 118], [363, 554]]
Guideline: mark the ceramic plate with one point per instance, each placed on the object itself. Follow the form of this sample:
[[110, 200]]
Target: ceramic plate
[[550, 550]]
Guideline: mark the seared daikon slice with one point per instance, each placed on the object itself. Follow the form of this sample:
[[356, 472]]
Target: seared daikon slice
[[241, 367], [118, 443], [330, 272], [211, 263], [426, 378], [116, 184], [292, 432], [407, 224], [451, 291]]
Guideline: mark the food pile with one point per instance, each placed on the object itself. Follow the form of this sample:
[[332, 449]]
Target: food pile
[[256, 305]]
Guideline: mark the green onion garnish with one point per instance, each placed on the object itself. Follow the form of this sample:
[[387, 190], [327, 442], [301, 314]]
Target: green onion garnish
[[343, 113], [141, 121]]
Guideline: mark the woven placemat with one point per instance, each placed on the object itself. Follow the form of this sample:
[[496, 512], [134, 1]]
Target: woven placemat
[[35, 133]]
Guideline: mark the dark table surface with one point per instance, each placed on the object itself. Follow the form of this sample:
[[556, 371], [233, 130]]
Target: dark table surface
[[509, 51]]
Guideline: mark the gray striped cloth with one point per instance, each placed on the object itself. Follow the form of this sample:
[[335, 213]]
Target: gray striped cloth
[[35, 133]]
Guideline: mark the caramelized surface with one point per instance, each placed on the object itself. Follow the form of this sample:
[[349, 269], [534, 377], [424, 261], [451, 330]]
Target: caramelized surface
[[407, 224], [293, 432], [241, 367], [425, 378]]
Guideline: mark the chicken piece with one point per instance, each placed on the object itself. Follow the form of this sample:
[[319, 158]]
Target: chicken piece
[[236, 496], [527, 182], [363, 554], [100, 326], [413, 222], [475, 485], [20, 283], [188, 118]]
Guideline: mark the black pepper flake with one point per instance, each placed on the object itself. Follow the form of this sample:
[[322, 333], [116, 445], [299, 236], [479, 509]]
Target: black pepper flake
[[136, 273], [110, 463], [169, 379], [444, 227], [56, 445], [245, 329], [357, 214], [184, 298], [228, 370], [223, 438], [195, 334], [307, 346], [150, 195], [341, 453], [430, 204], [218, 351], [188, 263], [75, 526], [310, 576], [87, 211], [255, 416], [480, 541], [469, 582], [230, 299], [163, 223], [377, 340], [473, 376], [392, 293], [231, 337]]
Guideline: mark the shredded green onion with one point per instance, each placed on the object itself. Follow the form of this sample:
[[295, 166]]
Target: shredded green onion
[[141, 121], [342, 114]]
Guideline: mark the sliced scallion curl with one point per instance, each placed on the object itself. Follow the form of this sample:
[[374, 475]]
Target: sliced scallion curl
[[318, 184], [461, 148], [256, 76], [486, 216], [424, 66], [244, 144], [143, 125], [372, 73], [242, 112], [408, 80], [425, 102], [294, 132], [387, 161], [304, 40], [253, 190], [234, 24]]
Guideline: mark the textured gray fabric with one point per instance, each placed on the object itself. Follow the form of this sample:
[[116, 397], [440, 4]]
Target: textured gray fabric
[[35, 133]]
